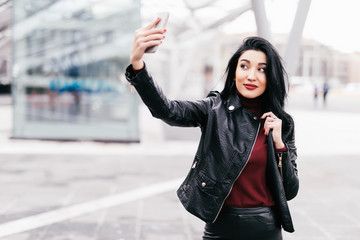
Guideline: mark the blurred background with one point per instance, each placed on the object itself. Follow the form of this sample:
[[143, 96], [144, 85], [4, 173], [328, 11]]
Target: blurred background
[[64, 60], [72, 132]]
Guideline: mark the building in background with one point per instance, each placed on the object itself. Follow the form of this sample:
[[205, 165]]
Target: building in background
[[68, 59], [5, 45], [318, 64]]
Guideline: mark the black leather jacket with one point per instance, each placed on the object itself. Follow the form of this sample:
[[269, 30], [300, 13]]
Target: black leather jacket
[[228, 135]]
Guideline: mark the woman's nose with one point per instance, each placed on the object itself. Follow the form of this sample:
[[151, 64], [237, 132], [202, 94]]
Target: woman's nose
[[251, 75]]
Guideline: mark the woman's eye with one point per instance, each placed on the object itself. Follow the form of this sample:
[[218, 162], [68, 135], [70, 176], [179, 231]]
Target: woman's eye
[[262, 69], [243, 66]]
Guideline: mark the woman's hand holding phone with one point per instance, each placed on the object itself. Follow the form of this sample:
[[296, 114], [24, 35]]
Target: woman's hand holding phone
[[145, 39]]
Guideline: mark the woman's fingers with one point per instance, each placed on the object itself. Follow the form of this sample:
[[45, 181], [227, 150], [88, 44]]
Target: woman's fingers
[[151, 25], [268, 114], [151, 34], [149, 43], [275, 125], [272, 122], [153, 37], [149, 30], [143, 42]]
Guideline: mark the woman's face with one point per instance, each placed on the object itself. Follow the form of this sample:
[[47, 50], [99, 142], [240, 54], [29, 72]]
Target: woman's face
[[250, 77]]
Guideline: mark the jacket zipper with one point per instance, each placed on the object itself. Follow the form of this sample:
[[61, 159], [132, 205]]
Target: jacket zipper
[[280, 166], [257, 133]]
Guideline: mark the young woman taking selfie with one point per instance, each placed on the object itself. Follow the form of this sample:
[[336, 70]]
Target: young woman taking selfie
[[244, 170]]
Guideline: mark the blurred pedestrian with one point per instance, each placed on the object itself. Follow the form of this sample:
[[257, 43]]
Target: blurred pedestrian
[[245, 168], [316, 94], [325, 92]]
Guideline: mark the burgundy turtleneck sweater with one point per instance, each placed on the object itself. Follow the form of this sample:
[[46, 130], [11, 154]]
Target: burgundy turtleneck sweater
[[251, 189]]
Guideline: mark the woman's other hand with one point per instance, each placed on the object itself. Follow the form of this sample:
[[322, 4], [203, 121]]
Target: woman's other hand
[[274, 123], [145, 37]]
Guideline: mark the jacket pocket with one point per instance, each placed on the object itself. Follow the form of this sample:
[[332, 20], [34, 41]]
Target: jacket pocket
[[205, 183]]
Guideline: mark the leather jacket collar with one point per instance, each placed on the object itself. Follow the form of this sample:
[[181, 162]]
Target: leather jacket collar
[[233, 102]]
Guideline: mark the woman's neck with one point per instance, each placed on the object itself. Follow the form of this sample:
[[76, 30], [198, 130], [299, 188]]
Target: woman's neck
[[254, 105]]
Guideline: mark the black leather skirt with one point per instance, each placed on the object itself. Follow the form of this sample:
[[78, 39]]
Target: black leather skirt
[[245, 224]]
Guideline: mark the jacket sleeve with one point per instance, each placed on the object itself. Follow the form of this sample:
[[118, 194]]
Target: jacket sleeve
[[289, 168], [173, 112]]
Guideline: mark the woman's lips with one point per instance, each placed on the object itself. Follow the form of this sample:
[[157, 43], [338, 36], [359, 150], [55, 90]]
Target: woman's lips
[[250, 86]]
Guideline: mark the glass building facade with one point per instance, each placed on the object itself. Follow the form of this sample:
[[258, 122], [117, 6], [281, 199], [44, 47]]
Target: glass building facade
[[69, 59]]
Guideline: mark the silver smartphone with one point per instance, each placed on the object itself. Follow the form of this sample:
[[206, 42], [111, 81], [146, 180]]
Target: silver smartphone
[[164, 16]]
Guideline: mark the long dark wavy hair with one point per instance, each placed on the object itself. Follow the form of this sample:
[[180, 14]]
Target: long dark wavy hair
[[276, 77]]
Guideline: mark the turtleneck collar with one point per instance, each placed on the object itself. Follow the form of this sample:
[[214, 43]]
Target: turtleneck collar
[[254, 105]]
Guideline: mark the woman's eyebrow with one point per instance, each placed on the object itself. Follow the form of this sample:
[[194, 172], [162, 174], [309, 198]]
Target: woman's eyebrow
[[248, 61]]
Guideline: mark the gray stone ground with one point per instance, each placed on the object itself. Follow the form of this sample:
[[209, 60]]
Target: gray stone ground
[[64, 187]]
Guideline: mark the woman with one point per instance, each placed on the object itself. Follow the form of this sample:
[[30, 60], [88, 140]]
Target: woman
[[244, 170]]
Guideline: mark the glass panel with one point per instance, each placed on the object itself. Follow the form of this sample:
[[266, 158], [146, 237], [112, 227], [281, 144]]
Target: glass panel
[[68, 62]]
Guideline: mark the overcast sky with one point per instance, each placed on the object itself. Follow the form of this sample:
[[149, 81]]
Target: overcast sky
[[335, 23]]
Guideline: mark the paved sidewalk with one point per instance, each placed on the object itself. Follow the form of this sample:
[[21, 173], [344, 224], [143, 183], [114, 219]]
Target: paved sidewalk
[[107, 191]]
